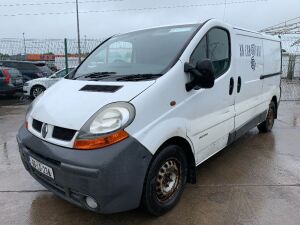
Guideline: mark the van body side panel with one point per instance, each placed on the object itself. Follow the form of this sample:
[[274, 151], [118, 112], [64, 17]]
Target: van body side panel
[[249, 61], [156, 120], [272, 70], [211, 123]]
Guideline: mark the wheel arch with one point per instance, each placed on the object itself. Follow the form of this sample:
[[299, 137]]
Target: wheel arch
[[36, 85], [187, 148]]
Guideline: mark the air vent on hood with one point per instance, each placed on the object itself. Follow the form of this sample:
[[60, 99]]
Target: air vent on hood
[[101, 88]]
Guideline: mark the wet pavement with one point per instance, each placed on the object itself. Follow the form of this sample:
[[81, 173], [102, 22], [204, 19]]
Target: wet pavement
[[256, 180]]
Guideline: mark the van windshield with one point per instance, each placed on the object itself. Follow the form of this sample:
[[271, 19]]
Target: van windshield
[[144, 54]]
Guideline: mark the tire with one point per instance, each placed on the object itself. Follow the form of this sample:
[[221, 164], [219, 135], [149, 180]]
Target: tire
[[36, 91], [165, 180], [267, 125]]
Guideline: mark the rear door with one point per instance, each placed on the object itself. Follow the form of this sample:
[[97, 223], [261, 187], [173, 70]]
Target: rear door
[[247, 50], [272, 69]]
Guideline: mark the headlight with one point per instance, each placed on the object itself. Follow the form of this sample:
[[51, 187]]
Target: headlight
[[106, 126], [26, 84]]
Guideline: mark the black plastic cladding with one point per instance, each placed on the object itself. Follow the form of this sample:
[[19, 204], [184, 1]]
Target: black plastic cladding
[[113, 176], [101, 88]]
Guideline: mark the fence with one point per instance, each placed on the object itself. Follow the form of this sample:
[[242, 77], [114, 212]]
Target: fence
[[53, 52], [49, 50], [290, 83]]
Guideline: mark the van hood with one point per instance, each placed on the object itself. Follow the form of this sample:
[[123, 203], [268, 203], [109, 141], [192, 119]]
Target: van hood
[[70, 103]]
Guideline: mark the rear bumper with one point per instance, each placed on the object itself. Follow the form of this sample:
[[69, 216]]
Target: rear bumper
[[113, 176]]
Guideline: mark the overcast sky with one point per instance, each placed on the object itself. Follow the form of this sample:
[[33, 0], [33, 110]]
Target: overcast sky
[[255, 15]]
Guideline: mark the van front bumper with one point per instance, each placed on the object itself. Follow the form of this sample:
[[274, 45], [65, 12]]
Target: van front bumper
[[26, 90], [113, 176]]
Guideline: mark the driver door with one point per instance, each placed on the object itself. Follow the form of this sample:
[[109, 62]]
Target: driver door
[[213, 109]]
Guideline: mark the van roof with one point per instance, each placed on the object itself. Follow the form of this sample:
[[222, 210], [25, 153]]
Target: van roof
[[259, 34], [162, 26]]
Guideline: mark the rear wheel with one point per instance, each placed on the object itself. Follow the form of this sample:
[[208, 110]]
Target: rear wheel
[[267, 125], [36, 91], [165, 181]]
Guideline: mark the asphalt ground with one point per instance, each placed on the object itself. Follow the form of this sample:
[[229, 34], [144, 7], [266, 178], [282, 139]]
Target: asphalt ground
[[256, 180]]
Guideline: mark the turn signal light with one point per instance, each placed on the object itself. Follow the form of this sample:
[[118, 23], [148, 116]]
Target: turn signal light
[[100, 142], [26, 124]]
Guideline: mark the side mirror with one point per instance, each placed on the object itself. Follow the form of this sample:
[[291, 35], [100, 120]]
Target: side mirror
[[202, 75]]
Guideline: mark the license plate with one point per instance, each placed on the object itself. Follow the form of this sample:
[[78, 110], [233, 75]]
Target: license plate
[[42, 168]]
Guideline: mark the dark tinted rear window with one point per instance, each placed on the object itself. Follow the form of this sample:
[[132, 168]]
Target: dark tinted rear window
[[46, 70]]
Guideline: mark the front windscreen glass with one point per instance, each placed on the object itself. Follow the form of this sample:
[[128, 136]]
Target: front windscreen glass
[[147, 52]]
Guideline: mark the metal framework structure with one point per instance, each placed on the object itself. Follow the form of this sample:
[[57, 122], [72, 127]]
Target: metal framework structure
[[289, 31], [291, 26]]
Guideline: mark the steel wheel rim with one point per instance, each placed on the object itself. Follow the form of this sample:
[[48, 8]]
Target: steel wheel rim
[[168, 179], [37, 91]]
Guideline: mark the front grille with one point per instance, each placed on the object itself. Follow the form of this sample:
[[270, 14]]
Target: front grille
[[63, 133], [37, 125], [59, 133]]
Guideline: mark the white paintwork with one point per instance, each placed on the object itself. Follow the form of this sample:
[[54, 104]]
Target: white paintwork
[[64, 105], [203, 117], [45, 82]]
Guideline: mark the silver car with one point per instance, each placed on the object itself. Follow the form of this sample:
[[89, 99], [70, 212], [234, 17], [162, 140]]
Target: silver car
[[34, 88]]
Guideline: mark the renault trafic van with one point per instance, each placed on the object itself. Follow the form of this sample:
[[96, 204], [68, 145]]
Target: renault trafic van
[[129, 125]]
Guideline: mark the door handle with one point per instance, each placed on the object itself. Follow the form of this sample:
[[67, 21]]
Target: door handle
[[239, 84], [231, 86]]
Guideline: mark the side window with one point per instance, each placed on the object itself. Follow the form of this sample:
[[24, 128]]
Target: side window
[[214, 46], [61, 73], [200, 52], [219, 50]]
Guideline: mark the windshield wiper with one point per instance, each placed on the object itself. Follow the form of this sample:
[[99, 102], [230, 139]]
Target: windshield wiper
[[137, 77], [96, 75]]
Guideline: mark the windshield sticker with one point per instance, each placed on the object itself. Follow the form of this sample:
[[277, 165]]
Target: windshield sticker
[[181, 29]]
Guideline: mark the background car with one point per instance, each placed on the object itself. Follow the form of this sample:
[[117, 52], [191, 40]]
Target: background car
[[28, 70], [35, 87], [11, 81]]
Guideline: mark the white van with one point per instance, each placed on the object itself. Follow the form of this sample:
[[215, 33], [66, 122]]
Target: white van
[[129, 126]]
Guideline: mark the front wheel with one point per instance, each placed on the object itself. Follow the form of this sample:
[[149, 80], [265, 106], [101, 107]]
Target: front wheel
[[165, 180], [267, 125], [36, 91]]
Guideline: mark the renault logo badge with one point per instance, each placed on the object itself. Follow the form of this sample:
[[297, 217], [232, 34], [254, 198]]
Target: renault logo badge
[[44, 130]]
